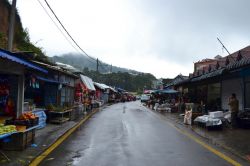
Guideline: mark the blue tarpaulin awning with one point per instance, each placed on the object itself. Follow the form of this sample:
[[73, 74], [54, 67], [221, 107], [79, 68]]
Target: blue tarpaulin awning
[[47, 80], [165, 91], [9, 56]]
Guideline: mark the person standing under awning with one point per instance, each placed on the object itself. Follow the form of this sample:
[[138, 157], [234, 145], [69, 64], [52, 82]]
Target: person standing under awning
[[234, 108]]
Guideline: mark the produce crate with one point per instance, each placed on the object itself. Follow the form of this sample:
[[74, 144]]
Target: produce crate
[[59, 120], [21, 128], [34, 122], [27, 123], [19, 141]]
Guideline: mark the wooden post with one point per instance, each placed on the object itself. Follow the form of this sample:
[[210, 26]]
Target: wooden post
[[20, 95]]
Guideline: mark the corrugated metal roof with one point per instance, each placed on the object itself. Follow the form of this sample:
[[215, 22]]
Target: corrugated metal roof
[[113, 89], [209, 75], [88, 82], [55, 68], [183, 82], [238, 64], [101, 86], [8, 55]]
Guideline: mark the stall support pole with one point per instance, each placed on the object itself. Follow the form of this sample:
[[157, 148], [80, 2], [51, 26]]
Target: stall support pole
[[20, 97]]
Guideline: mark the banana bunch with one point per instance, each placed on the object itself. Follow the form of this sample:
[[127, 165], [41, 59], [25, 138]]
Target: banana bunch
[[7, 129]]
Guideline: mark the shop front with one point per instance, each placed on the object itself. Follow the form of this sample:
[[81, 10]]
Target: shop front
[[101, 92], [214, 96], [229, 86], [66, 108], [15, 124], [87, 92], [8, 94]]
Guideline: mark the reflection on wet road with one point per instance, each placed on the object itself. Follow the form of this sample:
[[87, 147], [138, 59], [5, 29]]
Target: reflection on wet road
[[128, 134]]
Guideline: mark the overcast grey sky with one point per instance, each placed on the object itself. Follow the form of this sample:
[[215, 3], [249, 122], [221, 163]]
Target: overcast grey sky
[[163, 37]]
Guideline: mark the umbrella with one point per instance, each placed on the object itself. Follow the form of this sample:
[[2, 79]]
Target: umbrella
[[166, 91], [169, 91]]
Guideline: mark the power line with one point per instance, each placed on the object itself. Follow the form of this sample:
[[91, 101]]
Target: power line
[[60, 29], [66, 30], [103, 66], [56, 25]]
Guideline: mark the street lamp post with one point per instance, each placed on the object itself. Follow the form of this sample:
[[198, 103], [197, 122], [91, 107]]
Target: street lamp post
[[12, 25]]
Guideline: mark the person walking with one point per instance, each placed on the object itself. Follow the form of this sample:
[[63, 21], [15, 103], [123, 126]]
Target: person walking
[[234, 108]]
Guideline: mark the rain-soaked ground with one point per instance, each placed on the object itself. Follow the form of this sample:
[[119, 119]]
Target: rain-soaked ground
[[128, 134]]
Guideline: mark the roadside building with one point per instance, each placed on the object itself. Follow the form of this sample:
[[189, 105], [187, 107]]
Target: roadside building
[[12, 81], [56, 88], [215, 80]]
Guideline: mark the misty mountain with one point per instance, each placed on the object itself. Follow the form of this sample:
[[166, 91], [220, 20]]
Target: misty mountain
[[80, 62]]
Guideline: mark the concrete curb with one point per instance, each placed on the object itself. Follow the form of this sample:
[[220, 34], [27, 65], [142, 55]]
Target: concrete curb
[[39, 158], [216, 143]]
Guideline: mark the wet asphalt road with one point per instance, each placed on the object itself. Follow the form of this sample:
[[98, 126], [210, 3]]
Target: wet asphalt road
[[128, 134]]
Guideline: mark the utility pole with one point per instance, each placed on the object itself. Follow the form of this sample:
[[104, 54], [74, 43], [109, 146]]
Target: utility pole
[[97, 65], [111, 68], [12, 25]]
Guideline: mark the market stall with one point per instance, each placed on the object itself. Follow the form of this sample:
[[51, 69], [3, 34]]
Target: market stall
[[165, 99], [214, 119], [57, 93], [102, 91], [12, 85], [88, 92]]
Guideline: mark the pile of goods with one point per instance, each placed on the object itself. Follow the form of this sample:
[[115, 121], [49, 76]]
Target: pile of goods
[[53, 108], [7, 129], [27, 119], [27, 116]]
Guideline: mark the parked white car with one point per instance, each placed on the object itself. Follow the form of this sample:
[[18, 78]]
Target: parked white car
[[145, 98]]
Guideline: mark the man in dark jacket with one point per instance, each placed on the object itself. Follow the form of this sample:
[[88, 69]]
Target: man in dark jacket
[[234, 108]]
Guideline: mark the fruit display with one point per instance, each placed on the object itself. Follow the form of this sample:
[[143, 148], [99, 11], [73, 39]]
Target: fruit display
[[53, 108], [50, 107], [7, 129], [27, 116]]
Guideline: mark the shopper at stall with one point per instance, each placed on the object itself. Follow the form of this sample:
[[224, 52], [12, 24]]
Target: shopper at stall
[[234, 108]]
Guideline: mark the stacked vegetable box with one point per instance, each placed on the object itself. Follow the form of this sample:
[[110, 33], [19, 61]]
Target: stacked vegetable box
[[21, 132]]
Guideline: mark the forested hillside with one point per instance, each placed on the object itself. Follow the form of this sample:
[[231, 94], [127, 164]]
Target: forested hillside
[[21, 36], [130, 82], [80, 62]]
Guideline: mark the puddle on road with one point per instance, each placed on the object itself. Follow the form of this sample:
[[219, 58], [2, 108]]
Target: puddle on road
[[76, 157], [124, 109]]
